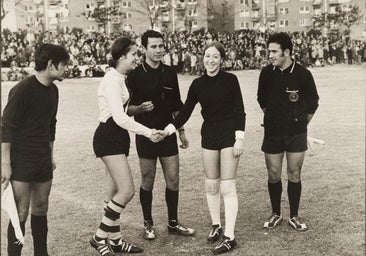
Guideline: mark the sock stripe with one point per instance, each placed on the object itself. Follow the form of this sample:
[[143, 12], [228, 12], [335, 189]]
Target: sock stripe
[[117, 204], [109, 229]]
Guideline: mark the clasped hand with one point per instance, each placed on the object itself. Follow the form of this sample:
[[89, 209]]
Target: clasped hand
[[158, 135]]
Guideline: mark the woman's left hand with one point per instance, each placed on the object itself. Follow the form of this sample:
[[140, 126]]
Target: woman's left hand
[[238, 147]]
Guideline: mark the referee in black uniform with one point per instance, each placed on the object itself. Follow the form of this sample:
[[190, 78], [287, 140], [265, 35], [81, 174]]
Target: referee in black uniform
[[288, 97], [155, 100]]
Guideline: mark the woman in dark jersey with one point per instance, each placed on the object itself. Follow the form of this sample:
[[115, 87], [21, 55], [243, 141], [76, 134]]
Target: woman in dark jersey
[[222, 131]]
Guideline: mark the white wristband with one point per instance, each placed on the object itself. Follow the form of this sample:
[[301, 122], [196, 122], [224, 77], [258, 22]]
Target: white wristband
[[239, 135], [170, 128]]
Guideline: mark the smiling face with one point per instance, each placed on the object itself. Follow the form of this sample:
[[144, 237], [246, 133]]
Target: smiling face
[[154, 49], [212, 61], [131, 59]]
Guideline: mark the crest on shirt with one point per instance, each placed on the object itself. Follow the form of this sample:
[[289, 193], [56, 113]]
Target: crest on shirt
[[293, 95]]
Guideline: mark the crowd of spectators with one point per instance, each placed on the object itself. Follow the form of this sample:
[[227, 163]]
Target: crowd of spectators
[[246, 49]]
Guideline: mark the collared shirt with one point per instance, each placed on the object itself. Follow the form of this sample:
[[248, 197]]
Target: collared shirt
[[160, 86], [112, 95], [288, 96]]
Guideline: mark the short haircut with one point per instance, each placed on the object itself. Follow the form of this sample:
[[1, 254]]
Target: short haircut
[[120, 47], [283, 39], [219, 46], [47, 52], [150, 34]]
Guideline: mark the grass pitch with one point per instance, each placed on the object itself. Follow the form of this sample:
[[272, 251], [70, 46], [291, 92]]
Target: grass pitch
[[333, 178]]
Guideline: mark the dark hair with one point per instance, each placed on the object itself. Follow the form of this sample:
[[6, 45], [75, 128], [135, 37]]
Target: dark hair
[[283, 39], [120, 46], [219, 46], [150, 34], [47, 52]]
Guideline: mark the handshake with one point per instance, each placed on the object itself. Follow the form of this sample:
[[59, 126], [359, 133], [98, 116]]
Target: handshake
[[158, 135]]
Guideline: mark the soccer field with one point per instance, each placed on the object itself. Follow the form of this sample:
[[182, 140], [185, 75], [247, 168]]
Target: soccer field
[[333, 178]]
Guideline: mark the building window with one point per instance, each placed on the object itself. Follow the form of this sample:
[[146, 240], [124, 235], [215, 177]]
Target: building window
[[255, 14], [304, 9], [244, 25], [89, 6], [283, 10], [242, 2], [192, 12], [126, 4], [283, 23], [28, 8], [302, 23], [127, 27], [194, 24], [271, 10], [244, 13], [91, 28], [192, 1], [332, 9], [29, 20]]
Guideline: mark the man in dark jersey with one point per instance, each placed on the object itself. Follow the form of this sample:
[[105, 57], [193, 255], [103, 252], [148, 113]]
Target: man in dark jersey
[[155, 100], [288, 97], [28, 131]]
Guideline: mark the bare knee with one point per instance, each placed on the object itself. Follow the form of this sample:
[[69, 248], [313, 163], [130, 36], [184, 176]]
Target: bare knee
[[294, 174], [147, 180], [40, 208], [172, 183], [23, 213], [274, 175], [124, 196]]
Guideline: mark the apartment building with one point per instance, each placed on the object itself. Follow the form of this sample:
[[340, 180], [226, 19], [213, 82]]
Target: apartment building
[[176, 15], [291, 15]]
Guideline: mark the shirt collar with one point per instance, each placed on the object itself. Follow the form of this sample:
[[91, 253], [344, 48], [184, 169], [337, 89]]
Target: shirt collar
[[146, 67], [289, 69], [115, 72]]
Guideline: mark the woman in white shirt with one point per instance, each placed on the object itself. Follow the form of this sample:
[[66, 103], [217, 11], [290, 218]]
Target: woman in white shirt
[[111, 143]]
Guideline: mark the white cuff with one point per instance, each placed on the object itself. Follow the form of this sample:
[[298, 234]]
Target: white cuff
[[170, 128], [239, 135]]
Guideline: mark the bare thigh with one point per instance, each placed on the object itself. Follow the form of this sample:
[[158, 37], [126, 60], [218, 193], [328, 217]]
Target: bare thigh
[[211, 163], [274, 166], [120, 172], [39, 197], [170, 166], [228, 164], [22, 195], [148, 172]]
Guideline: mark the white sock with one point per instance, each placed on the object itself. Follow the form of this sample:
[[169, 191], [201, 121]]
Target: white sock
[[228, 191], [213, 199]]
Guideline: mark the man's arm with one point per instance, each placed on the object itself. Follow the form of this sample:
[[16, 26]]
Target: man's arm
[[136, 110], [5, 163]]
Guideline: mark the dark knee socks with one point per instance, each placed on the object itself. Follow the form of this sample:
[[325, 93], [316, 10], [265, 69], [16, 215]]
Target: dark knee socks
[[294, 194], [14, 247], [146, 202], [275, 192], [39, 233], [171, 198]]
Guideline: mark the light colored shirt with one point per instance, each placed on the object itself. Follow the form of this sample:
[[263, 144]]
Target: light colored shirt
[[112, 95]]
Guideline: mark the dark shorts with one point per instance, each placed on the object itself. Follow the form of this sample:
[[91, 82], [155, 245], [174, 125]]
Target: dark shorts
[[31, 162], [147, 149], [218, 135], [111, 139], [279, 144]]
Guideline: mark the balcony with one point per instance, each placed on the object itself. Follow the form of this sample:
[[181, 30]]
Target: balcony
[[255, 6], [180, 6], [316, 2], [255, 18], [164, 5], [272, 17]]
